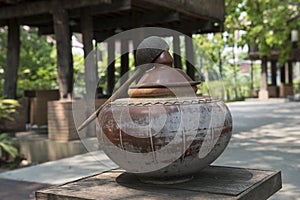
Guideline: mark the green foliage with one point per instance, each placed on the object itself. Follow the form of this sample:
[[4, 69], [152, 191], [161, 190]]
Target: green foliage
[[212, 55], [7, 107], [37, 67], [7, 145], [267, 23]]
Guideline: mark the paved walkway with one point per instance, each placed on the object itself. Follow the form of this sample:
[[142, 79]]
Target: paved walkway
[[266, 135]]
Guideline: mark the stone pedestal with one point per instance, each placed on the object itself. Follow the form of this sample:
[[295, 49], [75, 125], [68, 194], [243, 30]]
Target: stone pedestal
[[60, 121], [214, 182], [38, 100], [61, 124], [263, 95]]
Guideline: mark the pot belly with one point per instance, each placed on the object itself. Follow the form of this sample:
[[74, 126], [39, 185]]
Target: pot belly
[[165, 142]]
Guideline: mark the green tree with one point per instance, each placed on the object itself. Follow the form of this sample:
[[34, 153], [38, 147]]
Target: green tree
[[267, 23], [37, 67]]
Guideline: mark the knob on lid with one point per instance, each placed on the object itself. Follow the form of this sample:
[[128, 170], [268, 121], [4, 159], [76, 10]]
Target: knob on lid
[[162, 80], [149, 49]]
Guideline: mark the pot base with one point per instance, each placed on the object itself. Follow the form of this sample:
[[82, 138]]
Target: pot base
[[166, 181]]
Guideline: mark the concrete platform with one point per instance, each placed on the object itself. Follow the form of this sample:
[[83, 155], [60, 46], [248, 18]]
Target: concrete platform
[[63, 170], [214, 182], [36, 148]]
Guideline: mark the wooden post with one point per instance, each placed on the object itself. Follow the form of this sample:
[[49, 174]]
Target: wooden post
[[264, 81], [63, 48], [176, 52], [189, 54], [124, 60], [263, 92], [282, 74], [274, 72], [111, 67], [90, 65], [251, 76], [12, 60], [136, 41], [290, 72]]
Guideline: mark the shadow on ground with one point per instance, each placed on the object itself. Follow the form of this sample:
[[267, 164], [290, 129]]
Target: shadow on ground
[[267, 136]]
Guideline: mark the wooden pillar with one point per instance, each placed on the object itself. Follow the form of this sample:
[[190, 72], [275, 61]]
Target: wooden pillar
[[176, 52], [90, 65], [264, 71], [290, 72], [124, 60], [137, 39], [111, 67], [251, 76], [263, 93], [63, 48], [274, 72], [282, 74], [12, 60], [189, 54]]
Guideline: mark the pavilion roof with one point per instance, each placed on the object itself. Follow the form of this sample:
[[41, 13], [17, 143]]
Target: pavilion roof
[[186, 16]]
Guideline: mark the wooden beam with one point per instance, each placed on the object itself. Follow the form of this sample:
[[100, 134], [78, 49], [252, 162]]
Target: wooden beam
[[176, 52], [170, 20], [189, 55], [90, 65], [130, 21], [198, 9], [274, 72], [114, 7], [194, 27], [37, 20], [25, 9], [290, 72], [63, 48], [111, 67], [282, 74], [264, 74], [42, 7], [124, 61], [12, 60], [103, 35]]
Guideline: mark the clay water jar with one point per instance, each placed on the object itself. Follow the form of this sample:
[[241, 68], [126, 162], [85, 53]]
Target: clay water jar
[[164, 132]]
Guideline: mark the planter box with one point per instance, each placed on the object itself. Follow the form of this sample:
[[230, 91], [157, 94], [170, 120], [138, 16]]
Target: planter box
[[273, 91], [60, 121], [286, 90], [38, 105], [61, 124]]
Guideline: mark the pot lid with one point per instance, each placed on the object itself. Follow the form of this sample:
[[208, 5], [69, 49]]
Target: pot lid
[[165, 76], [163, 80]]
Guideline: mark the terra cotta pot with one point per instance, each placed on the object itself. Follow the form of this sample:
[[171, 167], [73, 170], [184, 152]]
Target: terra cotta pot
[[164, 132]]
